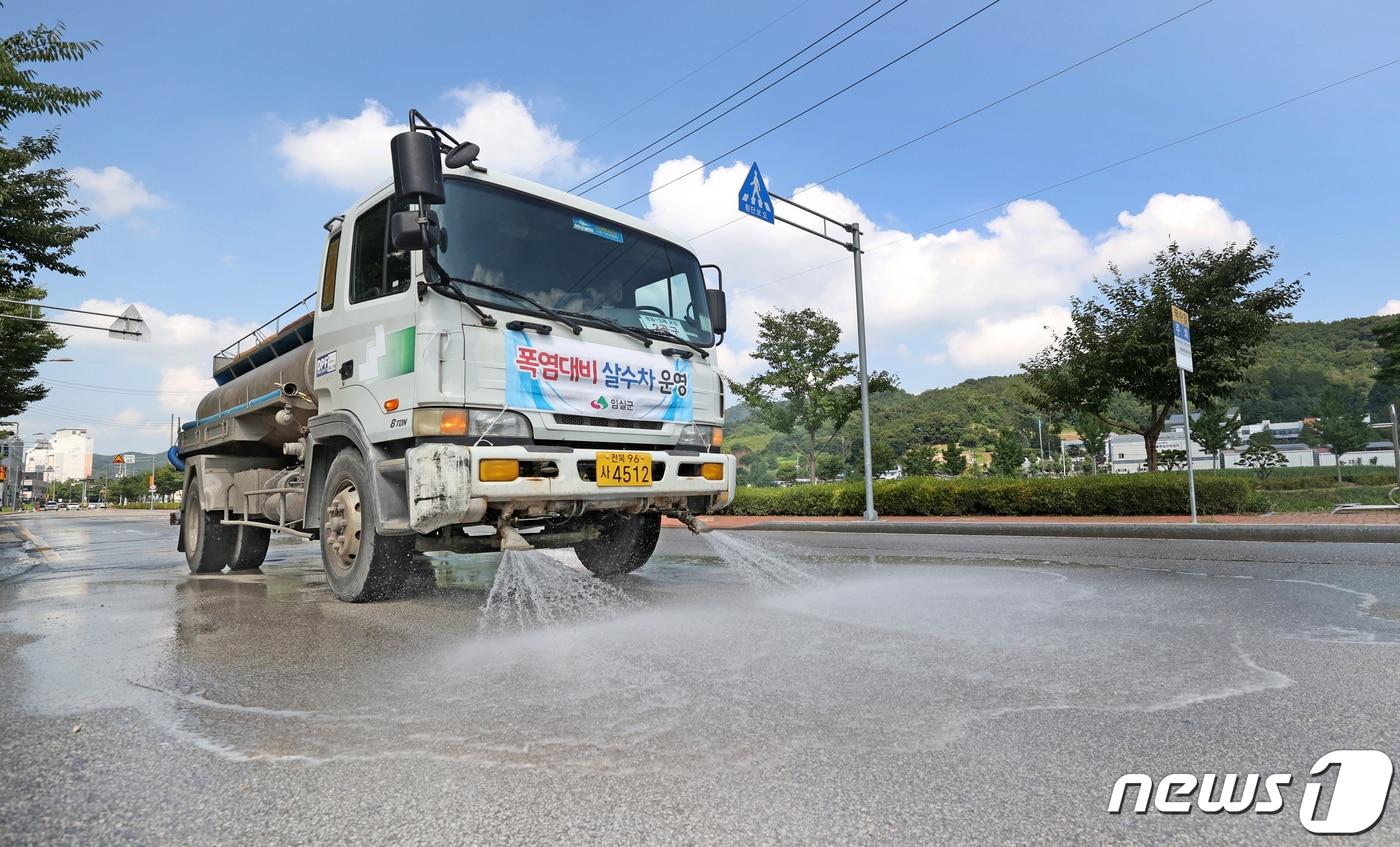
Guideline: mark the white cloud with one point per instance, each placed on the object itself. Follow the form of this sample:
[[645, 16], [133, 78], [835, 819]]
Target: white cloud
[[176, 361], [1391, 307], [995, 344], [1191, 220], [353, 153], [992, 288], [113, 192]]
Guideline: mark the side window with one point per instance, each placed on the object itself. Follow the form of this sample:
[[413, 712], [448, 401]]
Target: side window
[[328, 279], [376, 269]]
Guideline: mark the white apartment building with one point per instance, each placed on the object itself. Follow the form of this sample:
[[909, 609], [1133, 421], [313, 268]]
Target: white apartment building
[[72, 453], [39, 459]]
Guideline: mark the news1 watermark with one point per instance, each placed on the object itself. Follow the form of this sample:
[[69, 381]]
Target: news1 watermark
[[1356, 805]]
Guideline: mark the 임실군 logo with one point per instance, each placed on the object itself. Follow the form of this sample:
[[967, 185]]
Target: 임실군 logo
[[1357, 803], [600, 403]]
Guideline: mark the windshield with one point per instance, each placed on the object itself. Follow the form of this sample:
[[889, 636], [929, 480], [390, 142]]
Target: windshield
[[569, 260]]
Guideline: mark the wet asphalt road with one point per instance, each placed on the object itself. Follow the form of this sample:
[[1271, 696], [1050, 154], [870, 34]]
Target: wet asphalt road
[[820, 688]]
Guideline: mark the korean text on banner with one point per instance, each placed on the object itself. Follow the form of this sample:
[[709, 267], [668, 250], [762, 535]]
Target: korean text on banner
[[564, 375]]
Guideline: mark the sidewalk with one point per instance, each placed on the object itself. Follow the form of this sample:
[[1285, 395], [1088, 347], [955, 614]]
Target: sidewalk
[[1356, 527]]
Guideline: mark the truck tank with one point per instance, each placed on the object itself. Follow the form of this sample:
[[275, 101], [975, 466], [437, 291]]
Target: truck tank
[[258, 411]]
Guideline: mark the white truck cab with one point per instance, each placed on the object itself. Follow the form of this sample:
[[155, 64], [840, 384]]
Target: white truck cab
[[486, 360]]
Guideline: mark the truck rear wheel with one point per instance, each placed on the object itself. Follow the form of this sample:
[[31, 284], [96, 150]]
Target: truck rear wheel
[[360, 564], [209, 545], [626, 544], [251, 548]]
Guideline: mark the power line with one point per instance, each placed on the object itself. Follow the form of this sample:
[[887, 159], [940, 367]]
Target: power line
[[644, 148], [109, 389], [1254, 114], [814, 106], [751, 36], [974, 112]]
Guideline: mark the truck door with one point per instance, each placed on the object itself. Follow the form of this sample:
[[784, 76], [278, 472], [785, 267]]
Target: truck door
[[365, 326]]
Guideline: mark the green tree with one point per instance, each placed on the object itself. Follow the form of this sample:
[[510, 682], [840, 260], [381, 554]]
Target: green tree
[[808, 387], [786, 471], [1216, 430], [1008, 452], [1121, 344], [829, 466], [1387, 335], [1261, 455], [1171, 460], [37, 229], [168, 480], [920, 460], [1339, 426], [1095, 437], [954, 460]]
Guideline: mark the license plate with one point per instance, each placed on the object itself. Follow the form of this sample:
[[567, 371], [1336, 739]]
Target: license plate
[[617, 467]]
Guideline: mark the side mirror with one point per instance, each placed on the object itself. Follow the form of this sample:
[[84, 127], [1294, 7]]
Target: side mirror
[[406, 234], [719, 316], [417, 168], [463, 154]]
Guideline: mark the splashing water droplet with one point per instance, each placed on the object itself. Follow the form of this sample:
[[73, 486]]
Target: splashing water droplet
[[543, 587], [771, 565]]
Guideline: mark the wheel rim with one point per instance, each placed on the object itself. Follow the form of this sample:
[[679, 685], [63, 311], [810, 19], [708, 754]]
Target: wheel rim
[[342, 527], [192, 522]]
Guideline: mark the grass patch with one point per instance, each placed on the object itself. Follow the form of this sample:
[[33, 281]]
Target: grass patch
[[1325, 499]]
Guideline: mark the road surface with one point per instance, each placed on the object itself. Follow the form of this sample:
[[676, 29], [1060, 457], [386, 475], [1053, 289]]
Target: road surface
[[803, 688]]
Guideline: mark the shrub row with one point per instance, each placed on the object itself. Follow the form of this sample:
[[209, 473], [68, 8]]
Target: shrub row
[[1123, 494]]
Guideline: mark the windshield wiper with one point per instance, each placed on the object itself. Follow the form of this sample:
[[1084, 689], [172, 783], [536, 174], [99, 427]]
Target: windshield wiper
[[671, 336], [524, 298], [610, 324]]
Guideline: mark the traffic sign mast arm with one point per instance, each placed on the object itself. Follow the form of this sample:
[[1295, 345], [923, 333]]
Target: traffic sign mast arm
[[755, 199]]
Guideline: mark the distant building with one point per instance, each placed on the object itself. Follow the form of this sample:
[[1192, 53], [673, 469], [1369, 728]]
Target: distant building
[[38, 460], [1128, 453], [72, 454], [11, 470]]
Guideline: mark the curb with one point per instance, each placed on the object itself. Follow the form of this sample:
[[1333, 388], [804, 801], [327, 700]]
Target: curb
[[1317, 533]]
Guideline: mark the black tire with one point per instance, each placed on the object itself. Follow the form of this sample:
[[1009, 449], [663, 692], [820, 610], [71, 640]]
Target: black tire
[[626, 544], [209, 545], [251, 548], [360, 564]]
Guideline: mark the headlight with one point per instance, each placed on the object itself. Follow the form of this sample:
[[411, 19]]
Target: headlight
[[698, 435], [471, 423]]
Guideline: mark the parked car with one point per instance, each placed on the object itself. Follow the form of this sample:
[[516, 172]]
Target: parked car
[[51, 507], [74, 507]]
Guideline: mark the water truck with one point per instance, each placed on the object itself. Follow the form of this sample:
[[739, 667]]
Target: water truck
[[487, 364]]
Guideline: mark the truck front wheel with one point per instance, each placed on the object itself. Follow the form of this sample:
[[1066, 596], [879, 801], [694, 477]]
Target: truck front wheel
[[626, 543], [360, 564]]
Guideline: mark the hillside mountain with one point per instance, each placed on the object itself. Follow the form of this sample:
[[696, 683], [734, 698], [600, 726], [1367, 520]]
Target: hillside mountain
[[1287, 382]]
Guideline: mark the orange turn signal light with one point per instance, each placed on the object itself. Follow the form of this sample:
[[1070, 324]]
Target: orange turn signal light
[[454, 422], [712, 471], [391, 405], [498, 470]]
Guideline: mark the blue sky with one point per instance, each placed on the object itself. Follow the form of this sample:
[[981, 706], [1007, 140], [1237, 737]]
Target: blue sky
[[238, 130]]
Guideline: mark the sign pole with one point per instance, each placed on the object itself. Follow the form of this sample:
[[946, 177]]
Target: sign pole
[[1181, 340], [755, 199], [1190, 460], [870, 513]]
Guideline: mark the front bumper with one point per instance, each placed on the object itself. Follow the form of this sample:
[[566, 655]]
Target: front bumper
[[445, 488]]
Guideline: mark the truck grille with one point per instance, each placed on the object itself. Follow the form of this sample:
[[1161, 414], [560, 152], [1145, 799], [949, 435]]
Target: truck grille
[[585, 420]]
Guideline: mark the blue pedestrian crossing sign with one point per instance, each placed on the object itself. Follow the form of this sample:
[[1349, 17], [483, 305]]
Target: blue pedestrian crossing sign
[[753, 196]]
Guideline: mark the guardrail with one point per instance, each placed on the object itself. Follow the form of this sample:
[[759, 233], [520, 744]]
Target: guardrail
[[267, 330]]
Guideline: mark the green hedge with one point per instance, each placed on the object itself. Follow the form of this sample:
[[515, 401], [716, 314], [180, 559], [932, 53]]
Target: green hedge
[[1123, 494]]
